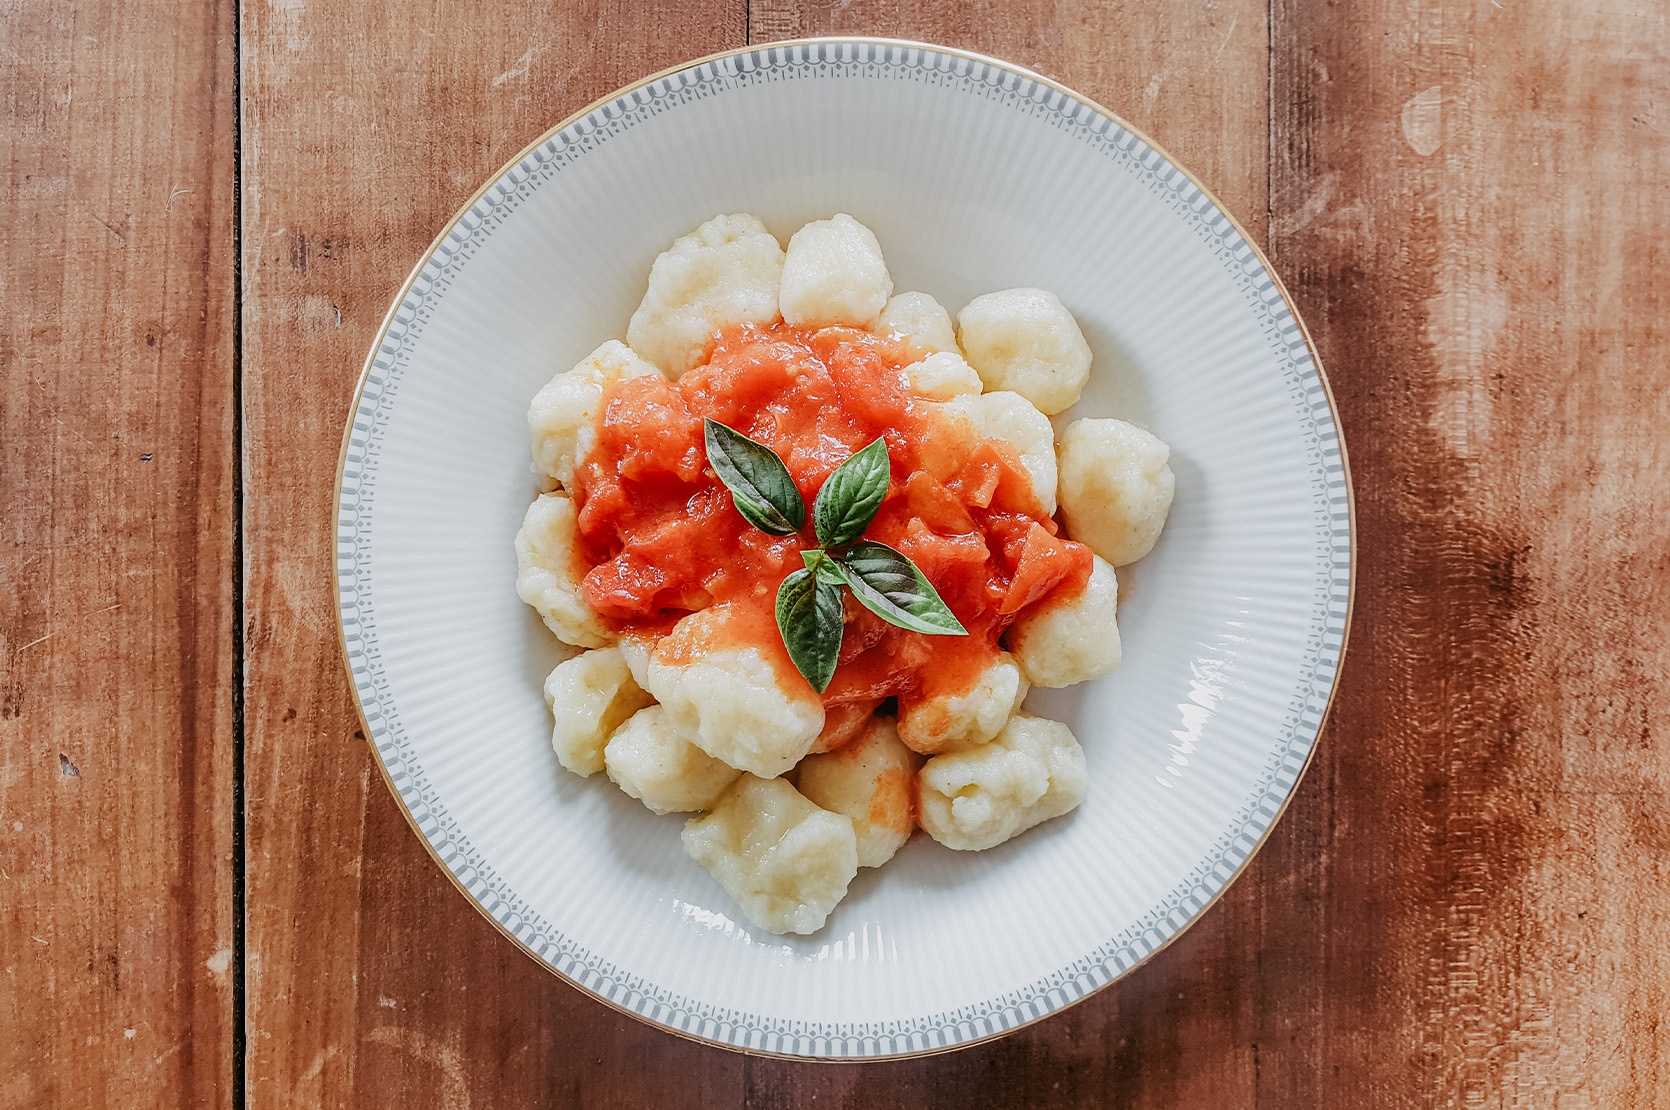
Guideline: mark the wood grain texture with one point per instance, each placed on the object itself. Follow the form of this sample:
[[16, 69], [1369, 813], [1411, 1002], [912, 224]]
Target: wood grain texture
[[1453, 912], [1468, 902], [372, 981], [1470, 211], [116, 628]]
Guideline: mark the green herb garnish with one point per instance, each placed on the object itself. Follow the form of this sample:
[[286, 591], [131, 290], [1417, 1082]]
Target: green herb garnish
[[759, 483], [809, 601], [848, 501], [890, 586], [809, 617]]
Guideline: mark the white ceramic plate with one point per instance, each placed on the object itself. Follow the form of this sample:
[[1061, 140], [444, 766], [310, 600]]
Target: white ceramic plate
[[975, 175]]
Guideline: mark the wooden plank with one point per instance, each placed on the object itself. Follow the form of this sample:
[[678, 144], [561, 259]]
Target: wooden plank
[[116, 453], [372, 982], [1195, 78], [1470, 208]]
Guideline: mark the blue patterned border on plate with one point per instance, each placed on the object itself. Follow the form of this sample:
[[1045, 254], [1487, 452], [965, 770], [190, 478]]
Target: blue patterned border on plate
[[1126, 153]]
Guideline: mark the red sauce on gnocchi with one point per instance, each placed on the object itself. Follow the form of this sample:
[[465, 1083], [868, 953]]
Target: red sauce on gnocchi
[[659, 536]]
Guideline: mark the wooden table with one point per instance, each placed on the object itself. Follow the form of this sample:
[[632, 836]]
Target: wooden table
[[207, 896]]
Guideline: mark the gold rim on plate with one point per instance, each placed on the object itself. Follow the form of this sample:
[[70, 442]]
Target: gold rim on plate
[[908, 44]]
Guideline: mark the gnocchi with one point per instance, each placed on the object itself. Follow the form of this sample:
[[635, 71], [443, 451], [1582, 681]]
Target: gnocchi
[[833, 273], [687, 693], [731, 701], [724, 273], [635, 651], [976, 798], [652, 761], [1071, 639], [842, 724], [922, 322], [1025, 341], [869, 780], [1116, 488], [785, 861], [589, 696], [545, 572], [1013, 419], [942, 376], [561, 416], [934, 724]]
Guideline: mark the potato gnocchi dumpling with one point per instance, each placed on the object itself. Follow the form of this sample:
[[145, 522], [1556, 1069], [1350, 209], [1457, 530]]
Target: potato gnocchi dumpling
[[973, 716], [562, 414], [545, 578], [833, 273], [871, 781], [1012, 418], [1065, 640], [724, 273], [921, 321], [785, 861], [1116, 487], [976, 798], [589, 696], [685, 696], [733, 702], [1025, 340], [942, 376], [967, 412], [652, 761], [636, 649]]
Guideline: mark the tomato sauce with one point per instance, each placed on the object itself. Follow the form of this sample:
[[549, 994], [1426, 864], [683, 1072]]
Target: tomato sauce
[[659, 536]]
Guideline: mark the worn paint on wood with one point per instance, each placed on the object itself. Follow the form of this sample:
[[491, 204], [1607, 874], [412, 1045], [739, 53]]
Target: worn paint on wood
[[116, 539]]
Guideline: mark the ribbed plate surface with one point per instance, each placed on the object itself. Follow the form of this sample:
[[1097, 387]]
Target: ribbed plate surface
[[975, 176]]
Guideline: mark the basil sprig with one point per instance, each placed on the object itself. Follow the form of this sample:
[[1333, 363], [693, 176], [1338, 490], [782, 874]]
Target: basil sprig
[[809, 608]]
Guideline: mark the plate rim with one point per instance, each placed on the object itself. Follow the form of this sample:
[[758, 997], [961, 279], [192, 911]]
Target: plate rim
[[626, 90]]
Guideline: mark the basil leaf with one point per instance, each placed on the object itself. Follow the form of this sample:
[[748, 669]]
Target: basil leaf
[[849, 499], [760, 485], [809, 617], [890, 586]]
